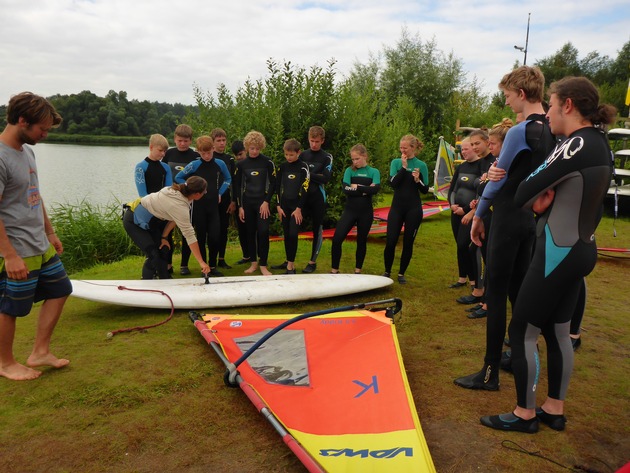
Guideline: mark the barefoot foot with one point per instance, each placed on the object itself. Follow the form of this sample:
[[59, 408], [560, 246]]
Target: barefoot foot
[[264, 271], [18, 372], [47, 360], [251, 269]]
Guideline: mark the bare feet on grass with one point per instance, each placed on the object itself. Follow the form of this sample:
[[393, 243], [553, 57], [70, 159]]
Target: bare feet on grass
[[18, 372], [46, 360], [264, 271], [251, 269]]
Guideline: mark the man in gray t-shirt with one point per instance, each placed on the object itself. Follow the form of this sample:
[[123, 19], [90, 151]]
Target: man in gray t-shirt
[[30, 268]]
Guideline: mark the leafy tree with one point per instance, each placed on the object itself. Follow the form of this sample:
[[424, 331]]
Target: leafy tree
[[610, 76], [422, 72], [563, 63]]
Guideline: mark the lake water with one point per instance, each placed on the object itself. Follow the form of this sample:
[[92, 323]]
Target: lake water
[[69, 174]]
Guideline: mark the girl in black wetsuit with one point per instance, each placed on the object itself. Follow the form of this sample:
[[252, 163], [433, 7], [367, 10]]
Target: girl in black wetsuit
[[567, 191], [409, 177], [360, 183], [255, 182], [461, 194], [479, 142]]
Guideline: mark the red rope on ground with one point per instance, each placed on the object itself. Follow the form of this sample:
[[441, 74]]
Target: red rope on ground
[[145, 327]]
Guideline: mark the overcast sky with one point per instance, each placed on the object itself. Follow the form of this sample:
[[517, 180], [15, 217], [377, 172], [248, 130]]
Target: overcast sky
[[157, 49]]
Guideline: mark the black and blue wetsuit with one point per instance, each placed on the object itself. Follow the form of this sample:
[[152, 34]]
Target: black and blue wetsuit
[[292, 184], [512, 233], [463, 190], [358, 211], [579, 170], [205, 211], [177, 160], [320, 171], [151, 176], [406, 210], [255, 182]]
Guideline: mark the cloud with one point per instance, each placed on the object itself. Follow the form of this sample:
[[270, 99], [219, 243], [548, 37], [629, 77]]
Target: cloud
[[157, 50]]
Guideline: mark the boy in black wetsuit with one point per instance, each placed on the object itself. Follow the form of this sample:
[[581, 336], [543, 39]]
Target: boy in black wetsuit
[[255, 182], [511, 236], [151, 174], [320, 170], [291, 188], [226, 206], [177, 158], [205, 211], [239, 155]]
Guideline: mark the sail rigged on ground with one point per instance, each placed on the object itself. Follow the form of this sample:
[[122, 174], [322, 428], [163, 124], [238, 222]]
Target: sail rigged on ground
[[334, 384], [444, 168]]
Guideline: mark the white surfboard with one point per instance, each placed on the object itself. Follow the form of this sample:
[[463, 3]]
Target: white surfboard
[[619, 134], [238, 291]]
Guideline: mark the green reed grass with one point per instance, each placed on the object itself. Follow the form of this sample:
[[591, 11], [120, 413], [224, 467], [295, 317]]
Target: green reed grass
[[91, 234]]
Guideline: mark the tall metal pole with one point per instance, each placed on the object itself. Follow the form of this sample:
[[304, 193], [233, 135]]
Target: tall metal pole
[[526, 40], [524, 49]]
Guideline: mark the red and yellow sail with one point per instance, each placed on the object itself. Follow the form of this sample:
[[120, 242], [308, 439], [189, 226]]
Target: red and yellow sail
[[335, 382]]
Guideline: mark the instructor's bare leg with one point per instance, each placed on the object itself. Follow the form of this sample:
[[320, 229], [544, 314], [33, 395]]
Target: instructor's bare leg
[[48, 317], [9, 368]]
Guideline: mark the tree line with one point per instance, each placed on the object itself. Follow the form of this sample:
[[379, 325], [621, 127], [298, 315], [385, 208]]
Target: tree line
[[86, 113]]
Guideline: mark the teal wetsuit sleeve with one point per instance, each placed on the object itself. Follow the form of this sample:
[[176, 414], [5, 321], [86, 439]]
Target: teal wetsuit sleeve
[[375, 175]]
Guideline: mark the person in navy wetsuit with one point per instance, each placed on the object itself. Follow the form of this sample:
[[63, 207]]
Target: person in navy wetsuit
[[360, 183], [292, 185], [409, 176], [205, 211], [512, 231], [255, 182], [567, 191]]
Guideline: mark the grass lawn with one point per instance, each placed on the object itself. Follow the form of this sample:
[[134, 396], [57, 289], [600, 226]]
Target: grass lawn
[[155, 401]]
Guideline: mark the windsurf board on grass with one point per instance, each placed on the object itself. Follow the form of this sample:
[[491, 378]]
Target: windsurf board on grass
[[232, 291], [619, 134]]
